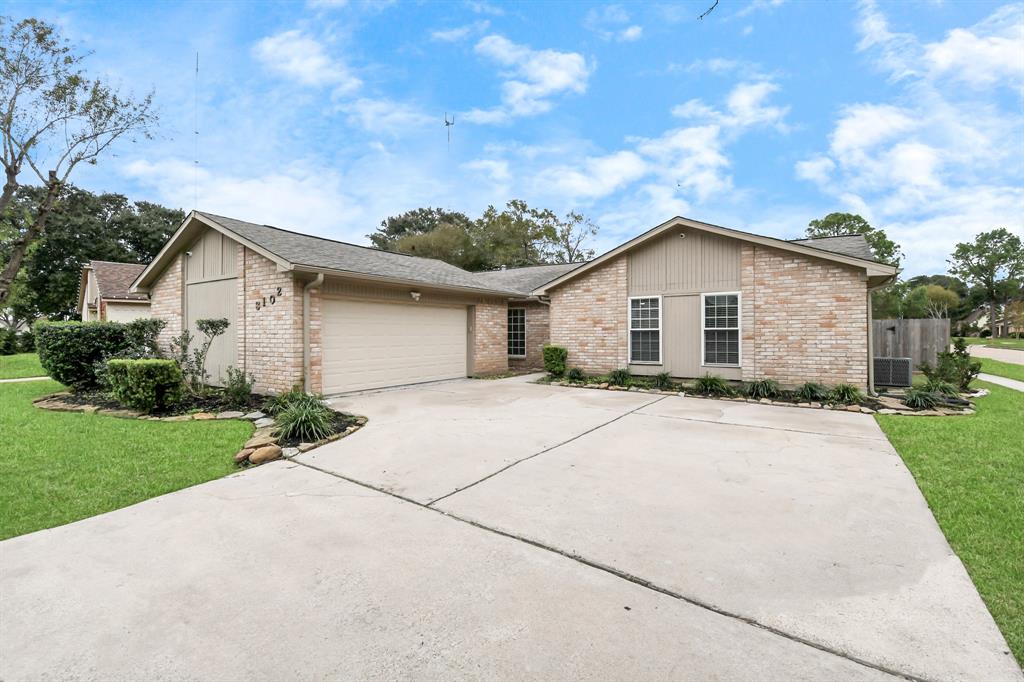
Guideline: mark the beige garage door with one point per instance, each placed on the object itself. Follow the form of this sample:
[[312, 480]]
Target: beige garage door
[[374, 345]]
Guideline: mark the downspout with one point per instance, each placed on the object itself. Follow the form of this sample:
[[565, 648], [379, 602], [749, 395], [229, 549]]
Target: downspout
[[305, 329]]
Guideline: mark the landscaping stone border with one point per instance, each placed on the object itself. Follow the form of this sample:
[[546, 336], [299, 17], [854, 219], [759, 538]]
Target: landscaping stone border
[[261, 447], [891, 405]]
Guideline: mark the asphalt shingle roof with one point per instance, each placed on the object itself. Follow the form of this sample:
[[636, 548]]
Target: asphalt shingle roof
[[114, 279], [317, 252], [847, 245], [526, 279]]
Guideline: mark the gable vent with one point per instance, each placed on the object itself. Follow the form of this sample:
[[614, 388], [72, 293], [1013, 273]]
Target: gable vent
[[893, 371]]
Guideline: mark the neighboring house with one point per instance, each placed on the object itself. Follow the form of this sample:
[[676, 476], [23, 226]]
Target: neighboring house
[[103, 292], [335, 317], [689, 298]]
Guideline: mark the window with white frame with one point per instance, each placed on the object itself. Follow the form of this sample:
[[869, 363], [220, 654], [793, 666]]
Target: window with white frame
[[721, 329], [645, 330], [517, 332]]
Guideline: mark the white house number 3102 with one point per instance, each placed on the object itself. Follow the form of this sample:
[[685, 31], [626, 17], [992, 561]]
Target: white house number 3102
[[265, 301]]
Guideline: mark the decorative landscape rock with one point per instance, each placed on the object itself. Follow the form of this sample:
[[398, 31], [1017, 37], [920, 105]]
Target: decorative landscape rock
[[306, 447], [289, 452], [260, 441], [253, 416], [203, 416], [243, 455], [264, 421], [266, 453], [230, 414]]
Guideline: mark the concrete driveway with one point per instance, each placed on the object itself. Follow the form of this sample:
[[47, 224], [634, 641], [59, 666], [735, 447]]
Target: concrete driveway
[[500, 529]]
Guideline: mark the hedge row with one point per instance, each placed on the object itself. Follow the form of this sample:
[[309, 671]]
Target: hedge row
[[71, 352], [144, 384]]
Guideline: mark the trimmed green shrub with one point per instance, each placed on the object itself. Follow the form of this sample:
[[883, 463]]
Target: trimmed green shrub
[[554, 360], [955, 367], [921, 399], [146, 384], [305, 417], [27, 342], [576, 375], [620, 377], [764, 388], [237, 387], [662, 381], [8, 342], [712, 384], [141, 336], [811, 392], [69, 351], [847, 394]]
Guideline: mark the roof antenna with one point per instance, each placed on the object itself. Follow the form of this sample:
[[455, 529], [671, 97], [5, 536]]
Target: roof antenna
[[448, 126], [195, 140], [708, 10]]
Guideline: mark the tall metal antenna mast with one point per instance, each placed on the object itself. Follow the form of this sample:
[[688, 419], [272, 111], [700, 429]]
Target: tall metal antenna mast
[[448, 126], [195, 140]]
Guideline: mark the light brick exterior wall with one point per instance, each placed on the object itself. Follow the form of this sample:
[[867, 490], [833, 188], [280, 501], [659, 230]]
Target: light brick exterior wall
[[490, 338], [804, 319], [588, 317], [316, 345], [165, 302], [269, 339], [537, 335]]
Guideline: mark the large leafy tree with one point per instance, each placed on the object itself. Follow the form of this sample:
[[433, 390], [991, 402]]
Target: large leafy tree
[[993, 262], [52, 119], [82, 226], [514, 236], [931, 300], [837, 224]]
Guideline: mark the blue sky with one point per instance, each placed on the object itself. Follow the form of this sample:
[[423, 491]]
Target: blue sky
[[326, 116]]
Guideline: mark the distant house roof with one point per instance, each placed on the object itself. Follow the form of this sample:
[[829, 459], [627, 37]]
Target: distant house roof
[[113, 280], [525, 279], [848, 244]]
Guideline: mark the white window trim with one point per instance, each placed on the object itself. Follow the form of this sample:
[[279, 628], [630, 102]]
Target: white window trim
[[629, 330], [739, 328], [518, 357]]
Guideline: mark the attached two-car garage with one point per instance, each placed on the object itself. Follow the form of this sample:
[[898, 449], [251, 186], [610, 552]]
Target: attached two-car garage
[[370, 344]]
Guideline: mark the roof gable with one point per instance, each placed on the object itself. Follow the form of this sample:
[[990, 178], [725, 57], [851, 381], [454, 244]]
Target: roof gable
[[872, 267], [114, 280]]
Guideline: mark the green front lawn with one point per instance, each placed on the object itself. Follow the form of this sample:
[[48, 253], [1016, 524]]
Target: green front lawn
[[1002, 369], [995, 343], [20, 365], [59, 467], [971, 471]]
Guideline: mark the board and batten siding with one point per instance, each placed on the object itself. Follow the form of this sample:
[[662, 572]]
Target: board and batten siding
[[679, 269], [211, 291]]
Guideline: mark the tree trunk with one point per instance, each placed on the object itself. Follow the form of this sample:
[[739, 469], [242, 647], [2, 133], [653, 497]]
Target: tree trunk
[[36, 229], [10, 187], [992, 317]]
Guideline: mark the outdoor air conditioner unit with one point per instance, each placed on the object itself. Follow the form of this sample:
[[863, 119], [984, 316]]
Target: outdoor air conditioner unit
[[893, 371]]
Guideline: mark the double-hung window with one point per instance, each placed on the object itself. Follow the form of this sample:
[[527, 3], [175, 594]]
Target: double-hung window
[[517, 332], [645, 330], [721, 316]]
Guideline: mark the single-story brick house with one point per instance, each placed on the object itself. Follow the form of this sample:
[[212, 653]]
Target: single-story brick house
[[103, 292], [690, 298], [336, 317]]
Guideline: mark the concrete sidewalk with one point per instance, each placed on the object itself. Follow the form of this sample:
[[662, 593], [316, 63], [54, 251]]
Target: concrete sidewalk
[[1010, 355], [1002, 381]]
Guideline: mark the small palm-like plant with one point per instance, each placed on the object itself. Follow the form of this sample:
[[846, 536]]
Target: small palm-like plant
[[576, 375], [662, 381], [812, 391], [712, 384], [620, 377], [764, 388], [305, 417], [942, 387], [847, 394], [921, 399]]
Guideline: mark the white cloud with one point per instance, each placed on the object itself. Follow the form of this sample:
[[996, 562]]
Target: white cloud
[[494, 170], [745, 106], [459, 33], [385, 116], [612, 22], [295, 55], [595, 177], [480, 7], [932, 167], [757, 6], [532, 78]]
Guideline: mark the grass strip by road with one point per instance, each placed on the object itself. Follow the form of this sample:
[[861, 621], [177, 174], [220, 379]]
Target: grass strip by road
[[971, 471], [996, 343], [59, 467], [1002, 369], [20, 365]]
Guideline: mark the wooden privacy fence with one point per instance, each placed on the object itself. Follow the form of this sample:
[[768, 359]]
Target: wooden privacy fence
[[919, 340]]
